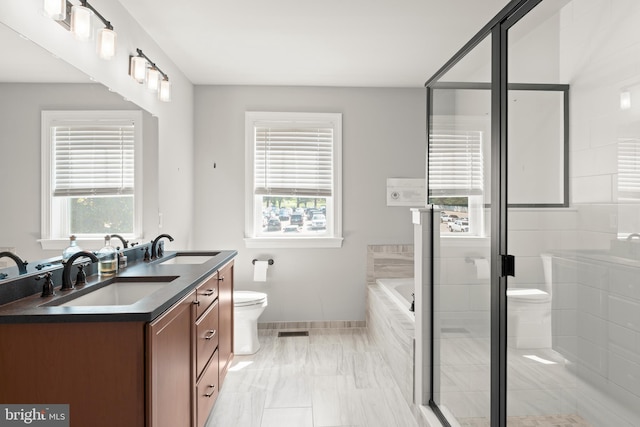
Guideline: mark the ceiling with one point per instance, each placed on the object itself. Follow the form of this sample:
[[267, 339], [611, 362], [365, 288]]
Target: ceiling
[[359, 43]]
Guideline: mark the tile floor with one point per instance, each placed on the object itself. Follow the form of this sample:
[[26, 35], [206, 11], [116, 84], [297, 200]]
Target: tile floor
[[333, 377]]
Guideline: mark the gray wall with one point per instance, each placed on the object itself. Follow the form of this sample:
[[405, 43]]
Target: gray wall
[[383, 137], [20, 141]]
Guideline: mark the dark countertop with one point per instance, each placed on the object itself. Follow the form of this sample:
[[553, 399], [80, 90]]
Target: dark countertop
[[34, 308]]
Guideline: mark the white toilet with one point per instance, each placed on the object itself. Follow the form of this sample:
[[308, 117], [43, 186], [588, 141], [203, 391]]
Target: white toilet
[[247, 308], [529, 312]]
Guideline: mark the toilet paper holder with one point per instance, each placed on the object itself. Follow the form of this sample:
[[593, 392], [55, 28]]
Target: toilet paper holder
[[270, 261]]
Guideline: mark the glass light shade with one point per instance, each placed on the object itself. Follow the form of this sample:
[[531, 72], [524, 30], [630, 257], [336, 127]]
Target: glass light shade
[[81, 22], [625, 100], [138, 68], [106, 43], [56, 9], [153, 79], [165, 91]]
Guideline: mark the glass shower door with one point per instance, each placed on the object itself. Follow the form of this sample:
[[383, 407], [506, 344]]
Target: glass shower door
[[459, 178], [541, 384]]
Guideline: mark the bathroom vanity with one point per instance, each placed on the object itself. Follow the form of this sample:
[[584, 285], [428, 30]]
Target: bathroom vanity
[[157, 361]]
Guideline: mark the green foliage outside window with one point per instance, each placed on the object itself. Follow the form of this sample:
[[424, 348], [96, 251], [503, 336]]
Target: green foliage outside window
[[101, 215]]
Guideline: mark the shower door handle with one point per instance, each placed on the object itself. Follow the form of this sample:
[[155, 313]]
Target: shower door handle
[[508, 265]]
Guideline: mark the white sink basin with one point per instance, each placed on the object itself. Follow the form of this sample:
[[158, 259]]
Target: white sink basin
[[188, 259], [117, 293]]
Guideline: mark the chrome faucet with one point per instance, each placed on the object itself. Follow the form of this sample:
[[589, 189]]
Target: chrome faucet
[[159, 252], [66, 271], [22, 265], [125, 243]]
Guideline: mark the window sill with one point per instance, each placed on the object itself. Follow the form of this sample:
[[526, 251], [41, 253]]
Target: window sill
[[297, 242], [86, 244]]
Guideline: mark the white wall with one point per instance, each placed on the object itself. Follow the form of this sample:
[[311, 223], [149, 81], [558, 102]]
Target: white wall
[[383, 137], [175, 118]]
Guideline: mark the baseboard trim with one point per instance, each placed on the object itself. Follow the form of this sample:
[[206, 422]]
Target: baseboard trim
[[333, 324]]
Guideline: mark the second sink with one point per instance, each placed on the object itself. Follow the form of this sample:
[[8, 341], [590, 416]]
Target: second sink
[[122, 291], [190, 258]]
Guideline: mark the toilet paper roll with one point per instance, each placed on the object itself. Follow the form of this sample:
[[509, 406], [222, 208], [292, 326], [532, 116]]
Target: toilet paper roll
[[260, 271], [482, 268]]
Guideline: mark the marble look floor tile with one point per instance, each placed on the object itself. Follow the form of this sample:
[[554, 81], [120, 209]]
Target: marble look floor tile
[[287, 417], [324, 359], [370, 371], [332, 378], [288, 387], [237, 409], [335, 402], [380, 408]]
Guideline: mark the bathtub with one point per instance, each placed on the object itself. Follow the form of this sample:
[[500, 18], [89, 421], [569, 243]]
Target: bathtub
[[391, 328], [400, 291]]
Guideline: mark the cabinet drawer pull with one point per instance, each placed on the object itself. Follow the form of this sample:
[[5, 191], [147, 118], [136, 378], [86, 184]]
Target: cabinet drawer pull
[[213, 389], [209, 292], [196, 302], [220, 279], [210, 334]]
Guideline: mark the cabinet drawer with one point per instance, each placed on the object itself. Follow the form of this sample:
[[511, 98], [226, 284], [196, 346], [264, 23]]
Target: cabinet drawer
[[206, 337], [207, 391], [206, 294]]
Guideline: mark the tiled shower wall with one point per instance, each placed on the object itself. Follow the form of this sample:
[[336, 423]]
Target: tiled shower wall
[[394, 261]]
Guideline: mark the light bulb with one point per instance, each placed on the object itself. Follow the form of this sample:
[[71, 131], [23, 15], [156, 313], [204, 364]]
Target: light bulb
[[153, 79], [106, 43], [56, 9], [138, 68], [81, 22], [165, 91]]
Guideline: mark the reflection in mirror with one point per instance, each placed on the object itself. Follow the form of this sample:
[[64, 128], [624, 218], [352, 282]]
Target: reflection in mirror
[[32, 82]]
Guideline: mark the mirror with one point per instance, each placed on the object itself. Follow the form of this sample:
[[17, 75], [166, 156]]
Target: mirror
[[32, 81]]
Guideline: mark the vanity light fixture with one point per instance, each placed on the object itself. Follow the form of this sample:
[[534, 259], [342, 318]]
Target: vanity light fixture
[[138, 68], [81, 22], [165, 90], [144, 70], [56, 9], [153, 79], [106, 43], [77, 19]]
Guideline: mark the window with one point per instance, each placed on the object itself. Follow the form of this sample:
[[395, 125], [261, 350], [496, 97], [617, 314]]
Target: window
[[92, 175], [293, 179], [456, 179]]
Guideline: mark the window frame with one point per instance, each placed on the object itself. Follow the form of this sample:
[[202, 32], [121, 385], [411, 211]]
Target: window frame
[[476, 193], [53, 219], [254, 239]]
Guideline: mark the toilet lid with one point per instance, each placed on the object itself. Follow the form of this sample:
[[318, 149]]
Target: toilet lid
[[526, 294], [244, 298]]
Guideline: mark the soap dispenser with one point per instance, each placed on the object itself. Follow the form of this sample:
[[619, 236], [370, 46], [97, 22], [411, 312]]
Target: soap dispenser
[[71, 249], [108, 257]]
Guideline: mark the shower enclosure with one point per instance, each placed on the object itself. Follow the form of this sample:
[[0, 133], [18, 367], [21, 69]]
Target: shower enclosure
[[534, 165]]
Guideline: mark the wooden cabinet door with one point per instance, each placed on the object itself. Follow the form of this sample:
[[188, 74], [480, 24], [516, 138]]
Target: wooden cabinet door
[[170, 368], [225, 324]]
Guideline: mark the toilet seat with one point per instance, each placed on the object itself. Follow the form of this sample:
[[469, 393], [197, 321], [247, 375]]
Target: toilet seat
[[529, 295], [248, 298]]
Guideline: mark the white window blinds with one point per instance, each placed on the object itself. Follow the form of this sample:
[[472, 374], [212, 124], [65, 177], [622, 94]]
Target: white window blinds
[[629, 168], [455, 163], [93, 158], [293, 159]]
